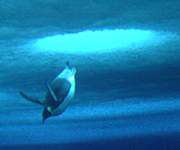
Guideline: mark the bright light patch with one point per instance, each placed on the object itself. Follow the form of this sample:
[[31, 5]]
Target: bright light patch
[[105, 41]]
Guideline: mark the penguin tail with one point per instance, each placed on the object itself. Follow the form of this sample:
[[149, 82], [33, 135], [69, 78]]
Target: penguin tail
[[32, 99]]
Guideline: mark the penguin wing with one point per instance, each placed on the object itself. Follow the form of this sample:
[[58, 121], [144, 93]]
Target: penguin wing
[[32, 99], [57, 92], [51, 92]]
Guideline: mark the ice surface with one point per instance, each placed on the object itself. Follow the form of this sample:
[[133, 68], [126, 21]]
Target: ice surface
[[127, 94]]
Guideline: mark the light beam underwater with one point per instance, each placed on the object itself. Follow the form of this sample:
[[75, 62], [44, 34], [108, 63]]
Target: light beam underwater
[[101, 41]]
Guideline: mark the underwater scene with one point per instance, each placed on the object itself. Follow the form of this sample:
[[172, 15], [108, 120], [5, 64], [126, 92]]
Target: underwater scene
[[90, 74]]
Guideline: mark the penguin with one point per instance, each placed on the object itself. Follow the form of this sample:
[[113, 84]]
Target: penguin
[[59, 93]]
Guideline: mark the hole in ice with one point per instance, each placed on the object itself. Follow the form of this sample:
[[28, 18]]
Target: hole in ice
[[100, 41]]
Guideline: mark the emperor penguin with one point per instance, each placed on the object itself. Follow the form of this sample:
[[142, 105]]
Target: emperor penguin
[[59, 93]]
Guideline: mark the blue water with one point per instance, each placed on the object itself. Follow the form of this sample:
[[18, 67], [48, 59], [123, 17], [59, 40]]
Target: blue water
[[128, 109], [127, 82]]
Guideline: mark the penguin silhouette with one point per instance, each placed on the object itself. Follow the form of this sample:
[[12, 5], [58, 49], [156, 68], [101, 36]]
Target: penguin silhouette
[[59, 93]]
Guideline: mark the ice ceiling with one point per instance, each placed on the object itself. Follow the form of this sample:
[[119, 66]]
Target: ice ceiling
[[52, 21]]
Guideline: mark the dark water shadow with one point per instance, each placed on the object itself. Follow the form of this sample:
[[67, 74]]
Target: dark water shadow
[[156, 142]]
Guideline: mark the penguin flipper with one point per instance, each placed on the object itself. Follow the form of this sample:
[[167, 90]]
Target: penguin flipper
[[51, 92], [32, 99]]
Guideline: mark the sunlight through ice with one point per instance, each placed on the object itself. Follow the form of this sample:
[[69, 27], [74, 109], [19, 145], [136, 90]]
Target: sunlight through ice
[[101, 41]]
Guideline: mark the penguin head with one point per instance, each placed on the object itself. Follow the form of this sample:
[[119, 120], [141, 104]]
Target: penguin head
[[46, 114]]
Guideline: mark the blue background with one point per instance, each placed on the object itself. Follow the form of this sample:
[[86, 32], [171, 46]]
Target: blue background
[[126, 97]]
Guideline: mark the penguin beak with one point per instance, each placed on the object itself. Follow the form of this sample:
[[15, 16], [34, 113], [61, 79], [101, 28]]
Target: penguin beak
[[45, 114]]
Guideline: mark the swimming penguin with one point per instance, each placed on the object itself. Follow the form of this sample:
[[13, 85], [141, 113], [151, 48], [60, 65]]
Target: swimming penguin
[[59, 93]]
